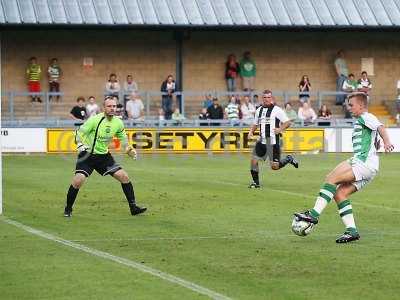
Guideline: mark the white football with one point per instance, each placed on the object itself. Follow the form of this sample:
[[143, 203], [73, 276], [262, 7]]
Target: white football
[[300, 227]]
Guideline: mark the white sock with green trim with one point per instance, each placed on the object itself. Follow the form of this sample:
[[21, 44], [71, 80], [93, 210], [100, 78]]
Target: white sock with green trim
[[326, 194], [346, 213]]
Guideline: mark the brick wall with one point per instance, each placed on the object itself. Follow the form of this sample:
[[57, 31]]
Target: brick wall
[[282, 58]]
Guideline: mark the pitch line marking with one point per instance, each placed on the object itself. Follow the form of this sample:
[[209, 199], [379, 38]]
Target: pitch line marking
[[123, 261]]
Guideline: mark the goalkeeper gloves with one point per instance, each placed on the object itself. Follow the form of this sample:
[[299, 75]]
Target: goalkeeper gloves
[[81, 148], [131, 152]]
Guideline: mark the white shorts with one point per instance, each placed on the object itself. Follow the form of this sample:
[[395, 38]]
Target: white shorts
[[362, 173]]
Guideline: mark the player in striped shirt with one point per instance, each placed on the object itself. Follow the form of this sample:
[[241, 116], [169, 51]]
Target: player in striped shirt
[[271, 121], [93, 138], [352, 175]]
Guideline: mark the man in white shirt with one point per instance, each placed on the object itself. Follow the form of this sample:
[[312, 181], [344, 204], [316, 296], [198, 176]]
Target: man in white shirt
[[135, 108]]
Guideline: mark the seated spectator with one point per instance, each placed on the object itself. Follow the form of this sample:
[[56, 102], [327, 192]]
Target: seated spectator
[[256, 101], [307, 114], [54, 74], [247, 109], [364, 84], [215, 111], [304, 89], [119, 112], [34, 73], [324, 113], [92, 108], [130, 87], [204, 115], [208, 101], [112, 86], [290, 112], [135, 108], [168, 88], [350, 84], [177, 117], [232, 111], [161, 114], [78, 112]]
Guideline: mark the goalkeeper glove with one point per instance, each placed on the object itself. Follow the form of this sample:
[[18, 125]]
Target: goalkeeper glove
[[131, 152], [81, 148]]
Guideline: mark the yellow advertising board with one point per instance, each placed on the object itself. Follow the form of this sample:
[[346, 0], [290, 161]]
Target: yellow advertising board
[[193, 140]]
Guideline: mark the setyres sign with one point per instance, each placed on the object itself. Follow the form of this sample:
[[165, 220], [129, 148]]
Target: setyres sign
[[193, 140]]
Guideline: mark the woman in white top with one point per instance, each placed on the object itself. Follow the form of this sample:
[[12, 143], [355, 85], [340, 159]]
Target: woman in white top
[[248, 109], [307, 114]]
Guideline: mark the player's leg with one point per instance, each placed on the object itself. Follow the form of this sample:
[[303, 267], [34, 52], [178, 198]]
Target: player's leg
[[77, 181], [346, 212], [254, 170], [343, 173], [274, 152], [129, 192]]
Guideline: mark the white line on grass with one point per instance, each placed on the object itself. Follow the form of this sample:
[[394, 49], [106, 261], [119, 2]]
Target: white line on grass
[[123, 261]]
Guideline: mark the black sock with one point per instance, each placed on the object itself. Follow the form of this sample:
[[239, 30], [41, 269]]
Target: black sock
[[254, 174], [129, 192], [71, 196], [284, 162]]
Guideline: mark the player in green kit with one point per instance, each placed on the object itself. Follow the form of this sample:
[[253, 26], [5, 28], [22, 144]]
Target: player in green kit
[[93, 138], [352, 175]]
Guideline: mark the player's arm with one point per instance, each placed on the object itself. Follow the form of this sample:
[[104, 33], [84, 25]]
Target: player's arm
[[123, 137], [284, 124], [82, 134], [388, 146], [255, 124]]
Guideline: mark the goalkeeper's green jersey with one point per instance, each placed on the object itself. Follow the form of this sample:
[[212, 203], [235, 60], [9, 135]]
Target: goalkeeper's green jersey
[[97, 133]]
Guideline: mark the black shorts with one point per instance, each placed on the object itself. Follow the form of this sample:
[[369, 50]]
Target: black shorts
[[104, 164], [264, 151]]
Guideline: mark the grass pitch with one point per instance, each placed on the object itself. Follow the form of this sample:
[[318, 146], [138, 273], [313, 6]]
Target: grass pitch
[[203, 225]]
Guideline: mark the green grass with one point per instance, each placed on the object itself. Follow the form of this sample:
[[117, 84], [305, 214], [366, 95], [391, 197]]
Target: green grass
[[203, 225]]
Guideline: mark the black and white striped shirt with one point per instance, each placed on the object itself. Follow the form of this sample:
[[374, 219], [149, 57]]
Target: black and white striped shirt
[[269, 118]]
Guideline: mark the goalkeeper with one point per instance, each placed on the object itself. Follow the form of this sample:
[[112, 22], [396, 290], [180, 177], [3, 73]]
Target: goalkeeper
[[93, 138]]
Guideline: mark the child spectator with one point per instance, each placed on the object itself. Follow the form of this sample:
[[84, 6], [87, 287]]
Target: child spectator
[[364, 84], [54, 74], [34, 73], [307, 114], [247, 68], [350, 84], [135, 108], [324, 112], [167, 87], [78, 112], [203, 114], [304, 89], [231, 72], [177, 117], [112, 86], [290, 112], [92, 108]]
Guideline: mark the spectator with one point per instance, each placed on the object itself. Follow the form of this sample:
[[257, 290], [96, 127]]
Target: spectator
[[135, 108], [290, 112], [350, 84], [78, 112], [232, 111], [364, 84], [177, 117], [304, 89], [112, 86], [130, 87], [324, 113], [34, 73], [92, 108], [54, 74], [168, 87], [161, 117], [247, 109], [204, 115], [342, 72], [119, 112], [247, 68], [208, 101], [307, 114], [231, 72], [215, 111], [256, 101]]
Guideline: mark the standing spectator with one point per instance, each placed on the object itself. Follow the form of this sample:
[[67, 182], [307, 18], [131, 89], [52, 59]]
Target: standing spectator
[[231, 72], [130, 86], [167, 87], [342, 72], [290, 112], [364, 84], [350, 84], [307, 114], [34, 73], [92, 108], [324, 112], [232, 111], [247, 68], [54, 74], [207, 101], [135, 108], [112, 86], [78, 112], [247, 109], [304, 89], [215, 111]]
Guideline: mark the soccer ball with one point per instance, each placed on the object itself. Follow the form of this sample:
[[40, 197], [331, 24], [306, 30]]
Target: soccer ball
[[300, 227]]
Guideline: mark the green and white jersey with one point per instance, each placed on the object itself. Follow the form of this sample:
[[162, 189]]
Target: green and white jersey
[[363, 138], [97, 133]]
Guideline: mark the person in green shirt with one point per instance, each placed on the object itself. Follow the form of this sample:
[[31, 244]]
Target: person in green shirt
[[93, 139], [247, 68]]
